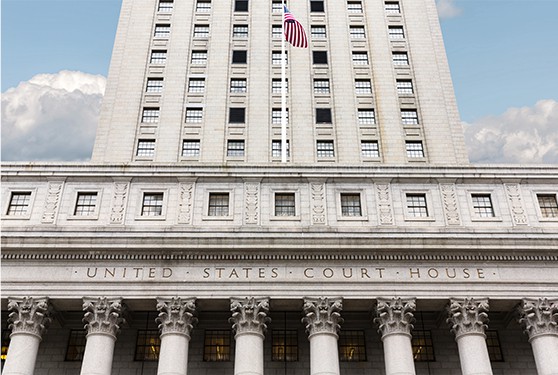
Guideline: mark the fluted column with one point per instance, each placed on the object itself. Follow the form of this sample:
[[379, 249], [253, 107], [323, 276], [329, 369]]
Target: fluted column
[[176, 320], [468, 319], [395, 319], [249, 319], [539, 317], [102, 319], [29, 318], [322, 319]]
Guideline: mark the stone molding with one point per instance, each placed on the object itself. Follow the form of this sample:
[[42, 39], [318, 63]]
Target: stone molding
[[118, 204], [52, 202], [513, 193], [395, 316], [322, 315], [249, 315], [317, 191], [103, 316], [251, 203], [185, 202], [385, 209], [539, 316], [450, 205], [468, 316], [176, 315], [29, 315]]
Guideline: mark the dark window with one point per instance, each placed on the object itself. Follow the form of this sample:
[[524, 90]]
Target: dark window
[[493, 345], [239, 57], [285, 204], [416, 205], [76, 345], [284, 347], [316, 5], [323, 115], [217, 346], [350, 204], [218, 204], [482, 205], [152, 204], [423, 348], [19, 203], [319, 57], [548, 205], [148, 345], [237, 115], [352, 347], [241, 5]]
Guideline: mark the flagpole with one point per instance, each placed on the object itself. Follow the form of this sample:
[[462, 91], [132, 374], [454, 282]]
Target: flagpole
[[283, 91]]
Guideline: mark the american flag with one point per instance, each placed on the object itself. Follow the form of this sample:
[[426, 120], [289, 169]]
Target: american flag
[[294, 32]]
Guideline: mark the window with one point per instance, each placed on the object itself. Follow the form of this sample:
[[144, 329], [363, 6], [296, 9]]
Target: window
[[239, 57], [409, 117], [318, 32], [152, 204], [482, 205], [199, 57], [196, 85], [423, 348], [150, 115], [5, 344], [276, 148], [493, 345], [276, 31], [319, 57], [165, 6], [241, 5], [414, 149], [240, 31], [357, 32], [276, 116], [323, 115], [363, 86], [203, 6], [352, 347], [321, 86], [392, 7], [85, 204], [366, 117], [191, 148], [19, 203], [316, 6], [354, 7], [194, 115], [276, 7], [237, 115], [162, 31], [148, 345], [400, 58], [154, 85], [284, 346], [218, 204], [548, 205], [158, 57], [416, 205], [235, 148], [276, 85], [405, 87], [238, 85], [350, 204], [360, 58], [285, 204], [396, 32], [325, 149], [76, 345], [217, 346], [370, 149], [201, 31], [146, 148], [276, 58]]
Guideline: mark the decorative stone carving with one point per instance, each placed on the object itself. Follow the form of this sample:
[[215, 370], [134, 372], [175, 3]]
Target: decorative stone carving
[[176, 315], [449, 200], [52, 202], [103, 316], [516, 204], [252, 197], [385, 210], [185, 202], [249, 315], [29, 315], [539, 316], [322, 315], [468, 315], [118, 206], [395, 316], [318, 203]]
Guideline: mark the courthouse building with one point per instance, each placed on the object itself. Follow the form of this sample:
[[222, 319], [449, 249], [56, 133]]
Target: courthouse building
[[186, 244]]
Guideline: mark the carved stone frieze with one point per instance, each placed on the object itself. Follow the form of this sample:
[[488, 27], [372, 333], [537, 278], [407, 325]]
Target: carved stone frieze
[[52, 201], [449, 200], [317, 191], [469, 315], [103, 315], [249, 315], [252, 203], [322, 315], [185, 202], [29, 315], [385, 209], [118, 205], [176, 315], [395, 315], [516, 204], [539, 316]]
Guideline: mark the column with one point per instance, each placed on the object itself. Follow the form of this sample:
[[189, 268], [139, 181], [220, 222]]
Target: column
[[249, 318], [102, 319], [395, 319], [539, 317], [322, 319], [29, 319], [176, 321], [468, 318]]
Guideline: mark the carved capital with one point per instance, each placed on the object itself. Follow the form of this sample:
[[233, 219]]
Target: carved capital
[[322, 315], [539, 316], [395, 316], [467, 316], [176, 315], [29, 315], [103, 315], [249, 315]]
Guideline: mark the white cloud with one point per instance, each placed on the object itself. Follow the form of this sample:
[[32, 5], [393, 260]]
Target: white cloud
[[447, 9], [51, 117], [520, 135]]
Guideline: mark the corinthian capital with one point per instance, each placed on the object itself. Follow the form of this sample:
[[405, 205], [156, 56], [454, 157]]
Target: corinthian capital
[[249, 315], [322, 315], [176, 315], [29, 315], [468, 315], [539, 316], [103, 315], [395, 315]]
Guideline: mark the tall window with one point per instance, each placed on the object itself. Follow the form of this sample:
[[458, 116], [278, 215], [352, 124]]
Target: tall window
[[396, 32], [19, 203], [239, 57], [199, 57], [276, 116], [194, 115], [76, 345], [416, 205], [370, 149], [152, 204], [323, 115], [423, 348], [405, 87], [158, 57], [148, 345], [85, 204], [240, 31], [352, 346], [363, 86], [318, 32], [276, 85], [324, 149], [354, 6], [321, 86], [276, 148], [357, 32], [162, 30], [150, 115], [360, 58], [165, 6], [191, 148], [241, 5], [350, 204], [238, 85], [493, 345], [400, 58], [392, 7], [203, 6], [146, 148], [414, 149], [409, 117], [217, 346], [154, 85], [482, 205], [548, 205], [218, 204], [366, 117], [196, 85], [316, 5], [237, 115], [284, 346], [285, 204], [201, 31], [235, 148]]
